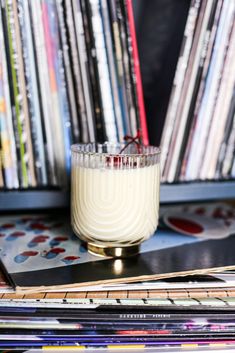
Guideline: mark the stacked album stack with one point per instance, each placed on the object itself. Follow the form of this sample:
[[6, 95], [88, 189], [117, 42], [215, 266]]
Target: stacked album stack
[[199, 134], [178, 294], [69, 72], [118, 325]]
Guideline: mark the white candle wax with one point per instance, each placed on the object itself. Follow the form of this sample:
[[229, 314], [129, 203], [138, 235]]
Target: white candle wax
[[115, 206]]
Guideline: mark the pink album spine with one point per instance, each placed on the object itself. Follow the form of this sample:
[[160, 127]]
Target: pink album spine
[[139, 88]]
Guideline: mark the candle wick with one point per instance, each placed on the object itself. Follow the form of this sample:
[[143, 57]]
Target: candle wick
[[135, 140]]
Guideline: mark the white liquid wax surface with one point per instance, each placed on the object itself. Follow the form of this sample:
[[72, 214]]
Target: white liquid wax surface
[[115, 206]]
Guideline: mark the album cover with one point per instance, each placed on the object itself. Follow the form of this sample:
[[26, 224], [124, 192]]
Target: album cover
[[34, 247]]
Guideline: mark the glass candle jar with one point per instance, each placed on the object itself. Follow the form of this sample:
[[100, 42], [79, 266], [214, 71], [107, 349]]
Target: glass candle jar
[[114, 196]]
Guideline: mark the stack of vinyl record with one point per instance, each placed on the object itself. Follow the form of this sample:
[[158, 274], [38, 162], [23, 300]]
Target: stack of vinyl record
[[68, 73], [199, 134], [98, 325], [177, 294]]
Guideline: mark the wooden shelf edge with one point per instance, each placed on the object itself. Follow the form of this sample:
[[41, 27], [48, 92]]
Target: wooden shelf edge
[[33, 199], [172, 193], [198, 191]]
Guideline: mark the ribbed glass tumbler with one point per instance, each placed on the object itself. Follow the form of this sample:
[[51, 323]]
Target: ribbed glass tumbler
[[114, 196]]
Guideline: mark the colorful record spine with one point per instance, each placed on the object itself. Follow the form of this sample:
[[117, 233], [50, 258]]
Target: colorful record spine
[[84, 67], [135, 123], [76, 71], [112, 67], [67, 74], [44, 86], [73, 107], [101, 135], [1, 174], [206, 110], [227, 149], [200, 90], [178, 83], [233, 168], [132, 111], [221, 111], [16, 94], [54, 99], [190, 89], [136, 73], [58, 64], [29, 155], [104, 77], [32, 92], [8, 147], [118, 54]]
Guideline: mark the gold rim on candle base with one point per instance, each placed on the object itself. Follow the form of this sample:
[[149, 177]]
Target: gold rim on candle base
[[113, 251]]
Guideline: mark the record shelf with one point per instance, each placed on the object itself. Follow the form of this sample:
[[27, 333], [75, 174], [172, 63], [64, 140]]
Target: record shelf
[[155, 26], [171, 193]]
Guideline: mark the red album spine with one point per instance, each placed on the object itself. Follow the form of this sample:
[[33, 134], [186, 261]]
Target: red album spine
[[139, 88]]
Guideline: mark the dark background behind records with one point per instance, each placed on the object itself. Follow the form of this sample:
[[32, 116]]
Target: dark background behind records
[[160, 27]]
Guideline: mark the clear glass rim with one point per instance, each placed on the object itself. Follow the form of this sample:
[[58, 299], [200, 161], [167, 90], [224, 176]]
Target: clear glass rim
[[154, 150]]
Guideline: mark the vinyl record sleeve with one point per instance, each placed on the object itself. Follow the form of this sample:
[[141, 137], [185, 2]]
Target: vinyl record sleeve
[[209, 98], [109, 43], [76, 69], [69, 80], [43, 245], [126, 44], [8, 146], [32, 93], [100, 127], [44, 87], [164, 263], [188, 90], [84, 68]]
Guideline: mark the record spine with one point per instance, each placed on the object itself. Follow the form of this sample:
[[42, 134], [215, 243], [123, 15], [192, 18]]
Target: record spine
[[84, 67], [112, 67], [68, 71], [188, 89], [200, 91], [118, 55], [101, 135], [1, 170], [221, 111], [209, 96], [32, 92], [64, 120], [76, 70], [103, 71], [196, 90], [16, 98], [129, 89], [137, 73], [227, 151], [232, 174], [43, 79], [178, 84], [9, 157], [29, 155]]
